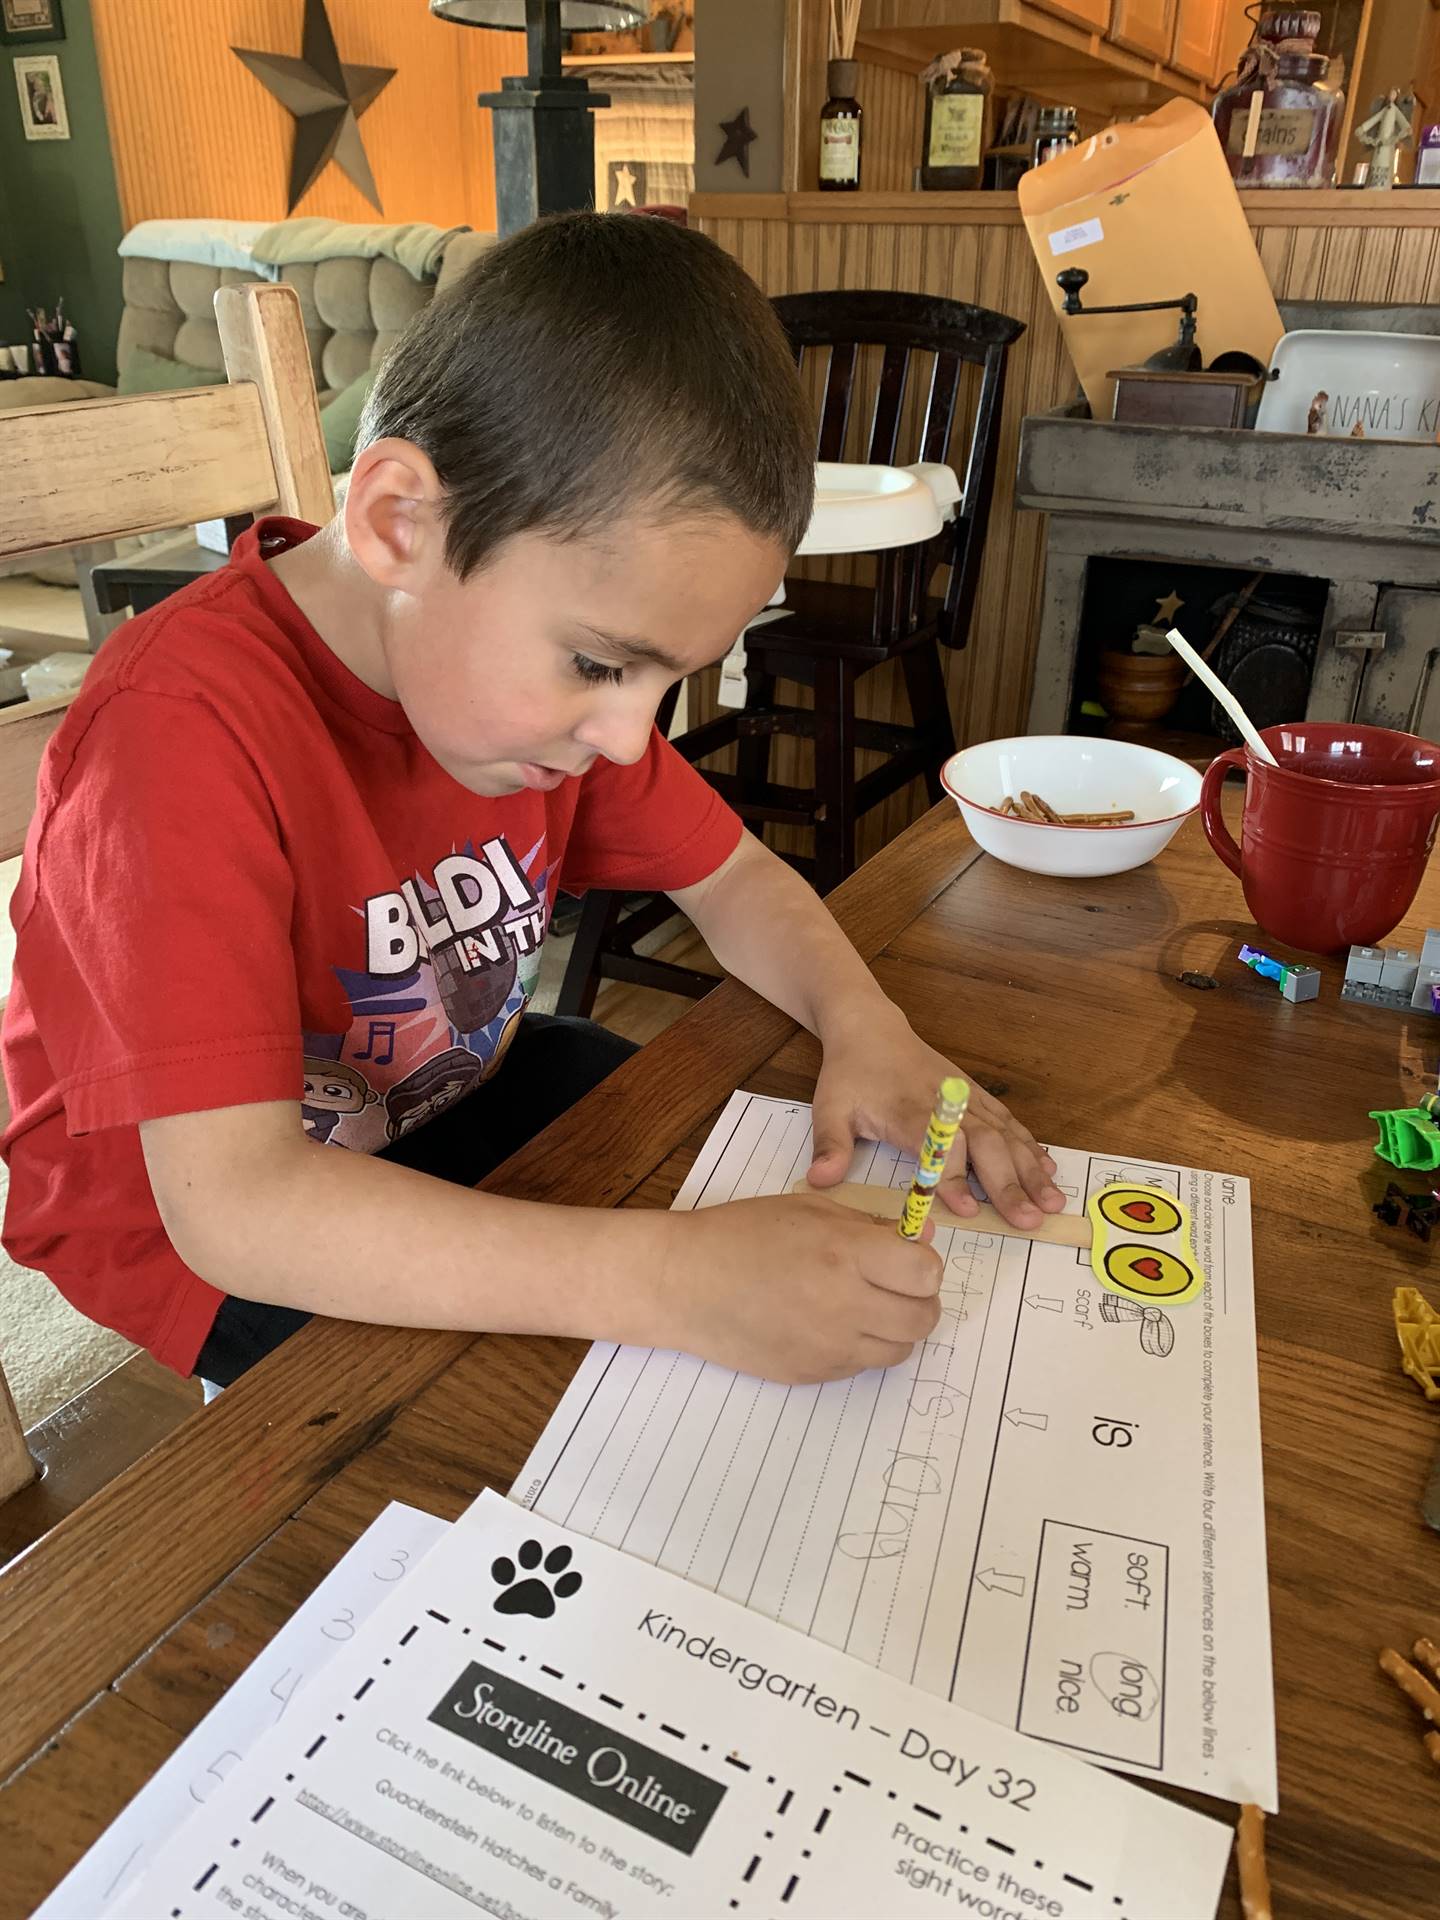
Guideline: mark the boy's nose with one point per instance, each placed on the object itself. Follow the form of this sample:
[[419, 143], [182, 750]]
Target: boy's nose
[[621, 734]]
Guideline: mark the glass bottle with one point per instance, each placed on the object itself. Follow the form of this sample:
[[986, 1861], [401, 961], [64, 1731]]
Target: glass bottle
[[1278, 126], [1054, 133], [840, 119], [957, 121]]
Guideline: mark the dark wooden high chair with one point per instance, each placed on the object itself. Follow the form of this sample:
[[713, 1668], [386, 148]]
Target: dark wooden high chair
[[831, 633]]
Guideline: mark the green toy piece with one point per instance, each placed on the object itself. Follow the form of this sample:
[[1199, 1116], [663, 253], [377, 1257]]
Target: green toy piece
[[1409, 1138]]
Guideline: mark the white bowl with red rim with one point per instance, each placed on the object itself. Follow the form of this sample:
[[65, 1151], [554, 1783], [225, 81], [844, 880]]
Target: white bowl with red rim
[[1074, 775]]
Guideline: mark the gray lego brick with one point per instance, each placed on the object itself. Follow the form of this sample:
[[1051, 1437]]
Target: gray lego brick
[[1301, 983], [1363, 966], [1377, 996]]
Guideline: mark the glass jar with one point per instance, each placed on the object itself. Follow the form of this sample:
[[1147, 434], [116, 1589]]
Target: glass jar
[[840, 119], [1278, 126], [1054, 133], [957, 121]]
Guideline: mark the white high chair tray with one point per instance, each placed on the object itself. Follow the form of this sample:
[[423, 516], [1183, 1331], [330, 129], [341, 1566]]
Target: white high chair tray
[[861, 509]]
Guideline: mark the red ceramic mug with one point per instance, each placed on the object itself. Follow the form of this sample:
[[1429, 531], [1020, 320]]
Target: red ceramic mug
[[1334, 840]]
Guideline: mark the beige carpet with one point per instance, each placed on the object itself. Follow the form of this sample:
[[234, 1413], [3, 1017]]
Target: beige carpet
[[49, 1352]]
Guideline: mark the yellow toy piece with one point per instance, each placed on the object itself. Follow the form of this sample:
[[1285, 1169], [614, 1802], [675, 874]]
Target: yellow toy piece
[[1141, 1246], [1418, 1325]]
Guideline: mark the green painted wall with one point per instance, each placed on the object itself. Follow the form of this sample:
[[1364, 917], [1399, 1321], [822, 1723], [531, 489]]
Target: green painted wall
[[59, 209]]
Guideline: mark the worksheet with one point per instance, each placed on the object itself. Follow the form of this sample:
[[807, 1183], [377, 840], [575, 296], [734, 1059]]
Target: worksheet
[[385, 1554], [535, 1725], [1052, 1514]]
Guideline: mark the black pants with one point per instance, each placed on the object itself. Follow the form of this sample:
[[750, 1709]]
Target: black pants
[[552, 1063]]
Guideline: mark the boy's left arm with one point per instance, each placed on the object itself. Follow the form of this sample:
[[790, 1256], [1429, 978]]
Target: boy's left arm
[[879, 1079]]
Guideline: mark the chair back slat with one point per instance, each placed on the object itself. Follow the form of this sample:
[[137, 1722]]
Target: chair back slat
[[889, 399], [98, 469], [940, 407], [835, 408], [92, 470]]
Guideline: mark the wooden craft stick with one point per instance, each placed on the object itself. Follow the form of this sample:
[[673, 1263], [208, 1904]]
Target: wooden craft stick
[[1010, 805], [1427, 1654], [1413, 1684], [1432, 1747], [1250, 1859], [1049, 812], [1029, 806], [887, 1203], [1118, 818]]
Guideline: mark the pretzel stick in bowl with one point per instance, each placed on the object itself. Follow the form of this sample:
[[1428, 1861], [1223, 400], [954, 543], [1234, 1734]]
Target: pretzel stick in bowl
[[1039, 812]]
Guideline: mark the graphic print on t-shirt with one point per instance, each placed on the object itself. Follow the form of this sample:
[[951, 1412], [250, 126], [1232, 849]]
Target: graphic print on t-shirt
[[450, 964]]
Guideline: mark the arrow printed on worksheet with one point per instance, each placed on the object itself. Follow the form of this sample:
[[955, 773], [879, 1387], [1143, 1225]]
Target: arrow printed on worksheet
[[1019, 1418], [1043, 1300], [1005, 1582]]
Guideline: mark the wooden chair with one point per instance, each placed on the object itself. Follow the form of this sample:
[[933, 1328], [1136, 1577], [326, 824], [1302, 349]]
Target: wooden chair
[[832, 634], [96, 470]]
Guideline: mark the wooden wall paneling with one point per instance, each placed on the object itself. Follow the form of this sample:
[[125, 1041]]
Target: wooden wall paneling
[[196, 135], [1413, 274], [1339, 279], [1307, 255]]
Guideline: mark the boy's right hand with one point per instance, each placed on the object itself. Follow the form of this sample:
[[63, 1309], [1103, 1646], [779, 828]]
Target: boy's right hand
[[796, 1288]]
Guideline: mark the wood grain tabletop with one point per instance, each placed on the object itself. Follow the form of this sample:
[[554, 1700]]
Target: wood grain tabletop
[[123, 1627]]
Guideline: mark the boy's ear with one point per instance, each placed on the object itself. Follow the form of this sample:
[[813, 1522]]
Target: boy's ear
[[393, 523]]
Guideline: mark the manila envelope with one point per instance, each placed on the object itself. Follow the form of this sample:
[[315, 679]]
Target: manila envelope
[[1151, 213]]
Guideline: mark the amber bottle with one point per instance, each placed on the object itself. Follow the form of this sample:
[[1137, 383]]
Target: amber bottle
[[840, 121]]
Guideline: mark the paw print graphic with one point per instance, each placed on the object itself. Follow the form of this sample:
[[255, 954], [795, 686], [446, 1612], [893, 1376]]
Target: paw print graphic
[[535, 1595]]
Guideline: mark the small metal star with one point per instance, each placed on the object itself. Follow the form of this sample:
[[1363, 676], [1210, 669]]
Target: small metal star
[[327, 97], [738, 135]]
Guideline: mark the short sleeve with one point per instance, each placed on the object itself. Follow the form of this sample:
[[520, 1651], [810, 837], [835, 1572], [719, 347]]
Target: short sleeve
[[153, 920], [655, 826]]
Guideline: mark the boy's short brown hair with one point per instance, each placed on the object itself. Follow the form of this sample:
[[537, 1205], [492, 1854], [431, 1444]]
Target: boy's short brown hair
[[593, 363]]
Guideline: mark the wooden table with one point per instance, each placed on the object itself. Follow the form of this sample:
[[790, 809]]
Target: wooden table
[[130, 1620]]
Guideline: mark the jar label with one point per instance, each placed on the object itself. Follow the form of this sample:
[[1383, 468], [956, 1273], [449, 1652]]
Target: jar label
[[957, 125], [1272, 130], [839, 149]]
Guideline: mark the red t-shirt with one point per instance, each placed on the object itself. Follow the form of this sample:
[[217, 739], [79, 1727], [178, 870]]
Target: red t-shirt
[[247, 880]]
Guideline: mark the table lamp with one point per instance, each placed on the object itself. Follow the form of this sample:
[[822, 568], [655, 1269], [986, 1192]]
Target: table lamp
[[544, 135]]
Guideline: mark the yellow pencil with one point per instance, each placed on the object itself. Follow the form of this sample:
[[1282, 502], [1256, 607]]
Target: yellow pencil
[[950, 1105]]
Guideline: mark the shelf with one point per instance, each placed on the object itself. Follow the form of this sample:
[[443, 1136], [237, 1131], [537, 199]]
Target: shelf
[[628, 60]]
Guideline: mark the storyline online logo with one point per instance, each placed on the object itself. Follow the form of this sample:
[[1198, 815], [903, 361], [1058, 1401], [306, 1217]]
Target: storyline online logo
[[648, 1790]]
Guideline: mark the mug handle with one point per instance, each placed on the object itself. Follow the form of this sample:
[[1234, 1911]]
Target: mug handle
[[1211, 818]]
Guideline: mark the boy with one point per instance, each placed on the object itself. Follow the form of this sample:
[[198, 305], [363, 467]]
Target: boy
[[297, 841]]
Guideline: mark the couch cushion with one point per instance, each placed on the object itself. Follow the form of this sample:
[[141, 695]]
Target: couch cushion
[[340, 419], [47, 390], [354, 310], [461, 254], [146, 372]]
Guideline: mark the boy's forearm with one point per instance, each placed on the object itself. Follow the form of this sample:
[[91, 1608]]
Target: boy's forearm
[[766, 926], [357, 1238]]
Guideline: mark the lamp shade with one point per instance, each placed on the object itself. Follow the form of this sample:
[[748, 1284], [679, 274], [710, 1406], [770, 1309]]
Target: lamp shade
[[576, 16]]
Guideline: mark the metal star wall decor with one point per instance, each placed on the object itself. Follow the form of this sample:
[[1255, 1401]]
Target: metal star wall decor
[[327, 97], [738, 135]]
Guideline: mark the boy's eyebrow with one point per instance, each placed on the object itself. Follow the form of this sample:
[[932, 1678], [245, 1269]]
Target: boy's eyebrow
[[633, 648]]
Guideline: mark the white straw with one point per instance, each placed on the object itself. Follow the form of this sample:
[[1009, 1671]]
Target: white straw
[[1223, 694]]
